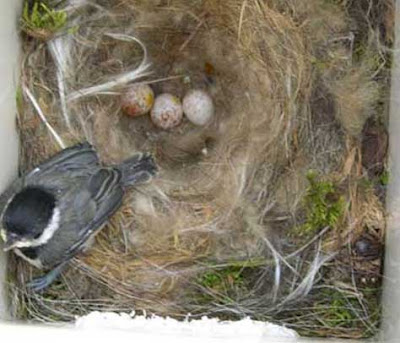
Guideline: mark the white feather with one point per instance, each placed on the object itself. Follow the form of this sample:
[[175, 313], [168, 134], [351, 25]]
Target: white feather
[[139, 72]]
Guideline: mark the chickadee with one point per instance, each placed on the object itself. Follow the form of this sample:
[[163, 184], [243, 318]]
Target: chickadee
[[49, 215]]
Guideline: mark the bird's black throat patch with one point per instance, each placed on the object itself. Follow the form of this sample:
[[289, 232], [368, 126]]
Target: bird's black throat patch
[[29, 212]]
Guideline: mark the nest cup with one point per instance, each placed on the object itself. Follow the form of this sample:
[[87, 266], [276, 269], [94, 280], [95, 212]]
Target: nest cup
[[235, 225]]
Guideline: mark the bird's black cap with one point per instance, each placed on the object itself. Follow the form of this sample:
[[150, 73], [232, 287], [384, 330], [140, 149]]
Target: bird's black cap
[[29, 212]]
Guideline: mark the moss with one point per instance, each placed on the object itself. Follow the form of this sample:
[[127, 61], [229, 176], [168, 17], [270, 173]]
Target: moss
[[384, 178], [224, 285], [340, 311], [40, 17], [323, 204], [319, 64], [345, 310], [219, 279], [366, 184], [333, 310]]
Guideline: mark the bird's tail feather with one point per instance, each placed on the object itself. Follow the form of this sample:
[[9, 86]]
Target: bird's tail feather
[[139, 168]]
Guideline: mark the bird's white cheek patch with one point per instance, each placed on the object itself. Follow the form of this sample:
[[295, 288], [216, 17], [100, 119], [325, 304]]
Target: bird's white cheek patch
[[49, 231]]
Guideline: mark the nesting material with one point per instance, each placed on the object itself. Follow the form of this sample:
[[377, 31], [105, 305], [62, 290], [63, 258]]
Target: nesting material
[[198, 107], [269, 210]]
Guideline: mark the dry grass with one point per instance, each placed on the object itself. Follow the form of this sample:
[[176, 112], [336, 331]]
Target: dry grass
[[220, 231]]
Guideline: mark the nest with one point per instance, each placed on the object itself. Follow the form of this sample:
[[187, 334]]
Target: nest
[[235, 224]]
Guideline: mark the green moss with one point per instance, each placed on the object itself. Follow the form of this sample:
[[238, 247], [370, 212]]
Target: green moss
[[323, 203], [384, 178], [224, 285], [73, 29], [319, 64], [340, 310], [365, 183], [219, 279], [41, 17], [345, 310]]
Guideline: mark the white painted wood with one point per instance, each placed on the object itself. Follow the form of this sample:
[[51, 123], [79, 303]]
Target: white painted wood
[[8, 84], [391, 293]]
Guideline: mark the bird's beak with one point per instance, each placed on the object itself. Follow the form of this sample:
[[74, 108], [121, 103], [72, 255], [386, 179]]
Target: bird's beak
[[10, 242]]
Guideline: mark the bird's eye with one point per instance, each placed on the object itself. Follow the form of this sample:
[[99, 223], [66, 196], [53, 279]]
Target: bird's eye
[[37, 235]]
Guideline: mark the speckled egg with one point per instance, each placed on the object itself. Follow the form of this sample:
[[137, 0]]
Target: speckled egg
[[198, 107], [167, 111], [137, 100]]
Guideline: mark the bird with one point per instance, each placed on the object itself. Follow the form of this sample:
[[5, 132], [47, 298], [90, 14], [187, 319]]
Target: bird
[[52, 213]]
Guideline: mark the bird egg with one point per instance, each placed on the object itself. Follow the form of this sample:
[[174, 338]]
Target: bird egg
[[167, 111], [137, 100], [198, 107]]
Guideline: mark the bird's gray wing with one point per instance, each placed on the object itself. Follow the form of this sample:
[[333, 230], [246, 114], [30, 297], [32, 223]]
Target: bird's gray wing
[[70, 166], [78, 157], [83, 216], [73, 159]]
